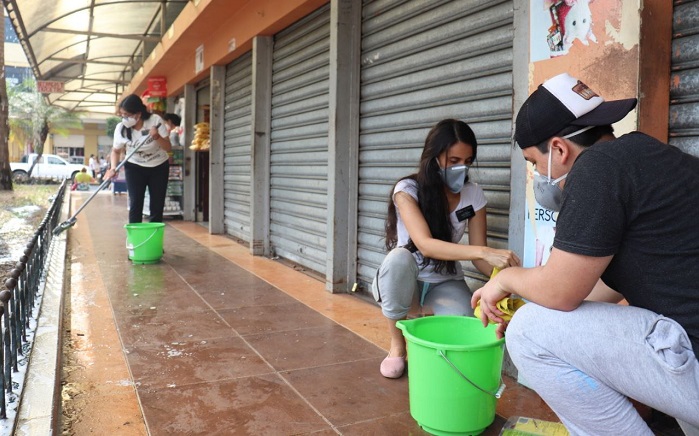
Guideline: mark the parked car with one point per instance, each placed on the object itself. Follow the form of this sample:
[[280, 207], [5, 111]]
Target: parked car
[[49, 166]]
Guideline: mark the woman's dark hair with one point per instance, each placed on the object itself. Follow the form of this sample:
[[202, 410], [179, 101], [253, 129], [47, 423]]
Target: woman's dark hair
[[431, 196], [172, 118], [133, 105]]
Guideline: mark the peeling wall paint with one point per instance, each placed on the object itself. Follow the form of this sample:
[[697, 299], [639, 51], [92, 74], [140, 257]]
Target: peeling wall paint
[[616, 25], [625, 31]]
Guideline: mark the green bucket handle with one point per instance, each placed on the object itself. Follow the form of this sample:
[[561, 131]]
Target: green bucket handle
[[496, 394], [133, 247]]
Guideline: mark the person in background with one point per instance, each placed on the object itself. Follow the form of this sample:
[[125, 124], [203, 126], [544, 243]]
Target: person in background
[[93, 164], [118, 182], [172, 121], [428, 213], [148, 167], [82, 181], [627, 228], [103, 166]]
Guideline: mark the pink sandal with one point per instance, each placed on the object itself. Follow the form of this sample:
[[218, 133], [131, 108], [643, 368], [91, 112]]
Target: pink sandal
[[393, 367]]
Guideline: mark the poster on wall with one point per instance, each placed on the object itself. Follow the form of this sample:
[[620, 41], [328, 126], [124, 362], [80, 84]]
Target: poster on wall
[[591, 40], [539, 228], [556, 24]]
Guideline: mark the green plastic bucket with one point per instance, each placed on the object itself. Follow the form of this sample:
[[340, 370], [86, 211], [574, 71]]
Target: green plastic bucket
[[454, 375], [144, 241]]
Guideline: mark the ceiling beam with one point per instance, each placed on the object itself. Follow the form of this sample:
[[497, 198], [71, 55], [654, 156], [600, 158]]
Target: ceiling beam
[[112, 98], [145, 38], [91, 61], [106, 81]]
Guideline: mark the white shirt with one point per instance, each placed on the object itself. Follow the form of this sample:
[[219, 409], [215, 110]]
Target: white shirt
[[471, 195], [150, 154], [94, 164]]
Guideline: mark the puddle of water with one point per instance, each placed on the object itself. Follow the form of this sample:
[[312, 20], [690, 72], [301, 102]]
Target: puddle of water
[[25, 211], [13, 234]]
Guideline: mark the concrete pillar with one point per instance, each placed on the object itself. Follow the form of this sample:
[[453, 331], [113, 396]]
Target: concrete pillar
[[261, 128], [190, 182], [655, 58], [343, 144], [518, 167], [218, 89]]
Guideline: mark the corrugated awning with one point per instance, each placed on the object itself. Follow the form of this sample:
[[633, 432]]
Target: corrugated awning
[[94, 47]]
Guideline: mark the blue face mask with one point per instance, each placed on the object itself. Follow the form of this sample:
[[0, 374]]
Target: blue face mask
[[454, 177]]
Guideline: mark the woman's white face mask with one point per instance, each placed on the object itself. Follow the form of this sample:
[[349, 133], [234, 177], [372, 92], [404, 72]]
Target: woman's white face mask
[[128, 122]]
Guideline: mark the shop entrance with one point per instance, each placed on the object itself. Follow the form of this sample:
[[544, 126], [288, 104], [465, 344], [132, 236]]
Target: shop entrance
[[201, 161]]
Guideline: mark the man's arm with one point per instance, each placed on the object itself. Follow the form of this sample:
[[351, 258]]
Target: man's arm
[[562, 284], [604, 293]]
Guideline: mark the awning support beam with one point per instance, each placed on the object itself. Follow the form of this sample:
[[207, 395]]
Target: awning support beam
[[144, 38]]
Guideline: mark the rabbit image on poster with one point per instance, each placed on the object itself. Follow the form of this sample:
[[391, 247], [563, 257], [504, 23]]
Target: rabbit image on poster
[[576, 22]]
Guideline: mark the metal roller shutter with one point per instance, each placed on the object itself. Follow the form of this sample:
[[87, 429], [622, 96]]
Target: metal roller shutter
[[423, 61], [684, 91], [299, 141], [237, 141]]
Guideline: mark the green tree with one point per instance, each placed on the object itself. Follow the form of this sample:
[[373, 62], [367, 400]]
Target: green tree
[[20, 122], [5, 171], [111, 125], [33, 118]]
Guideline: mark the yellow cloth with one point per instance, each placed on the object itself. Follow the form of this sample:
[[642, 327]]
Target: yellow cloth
[[508, 306]]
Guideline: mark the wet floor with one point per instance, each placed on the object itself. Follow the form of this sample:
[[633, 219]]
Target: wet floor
[[212, 340]]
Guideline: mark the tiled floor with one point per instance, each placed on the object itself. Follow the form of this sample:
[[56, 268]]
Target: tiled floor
[[216, 341]]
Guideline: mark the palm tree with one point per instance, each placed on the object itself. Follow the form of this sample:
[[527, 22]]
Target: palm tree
[[5, 172], [33, 118], [20, 123]]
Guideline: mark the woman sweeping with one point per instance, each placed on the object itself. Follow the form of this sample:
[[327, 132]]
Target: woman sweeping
[[149, 166]]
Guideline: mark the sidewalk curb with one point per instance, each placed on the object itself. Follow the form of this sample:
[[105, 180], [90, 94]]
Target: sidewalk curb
[[39, 406]]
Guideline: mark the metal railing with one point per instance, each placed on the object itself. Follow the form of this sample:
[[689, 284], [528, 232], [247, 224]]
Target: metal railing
[[20, 295]]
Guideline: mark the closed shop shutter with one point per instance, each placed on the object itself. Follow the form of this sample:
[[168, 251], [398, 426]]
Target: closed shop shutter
[[684, 91], [423, 61], [299, 141], [237, 147]]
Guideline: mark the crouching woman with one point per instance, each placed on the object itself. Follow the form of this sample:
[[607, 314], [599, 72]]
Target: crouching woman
[[428, 214]]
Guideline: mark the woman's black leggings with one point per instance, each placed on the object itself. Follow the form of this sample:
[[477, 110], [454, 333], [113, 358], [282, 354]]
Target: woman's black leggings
[[139, 178]]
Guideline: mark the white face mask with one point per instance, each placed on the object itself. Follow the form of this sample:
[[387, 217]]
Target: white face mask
[[128, 122], [546, 191]]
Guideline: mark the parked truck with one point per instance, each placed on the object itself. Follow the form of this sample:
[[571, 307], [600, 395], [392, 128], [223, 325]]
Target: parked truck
[[49, 166]]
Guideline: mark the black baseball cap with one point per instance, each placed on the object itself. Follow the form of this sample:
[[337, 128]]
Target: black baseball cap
[[564, 101]]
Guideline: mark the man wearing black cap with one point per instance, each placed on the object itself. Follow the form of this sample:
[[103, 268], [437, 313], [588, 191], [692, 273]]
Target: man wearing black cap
[[628, 227]]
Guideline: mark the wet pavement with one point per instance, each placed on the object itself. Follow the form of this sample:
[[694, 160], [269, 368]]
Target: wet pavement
[[212, 340]]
